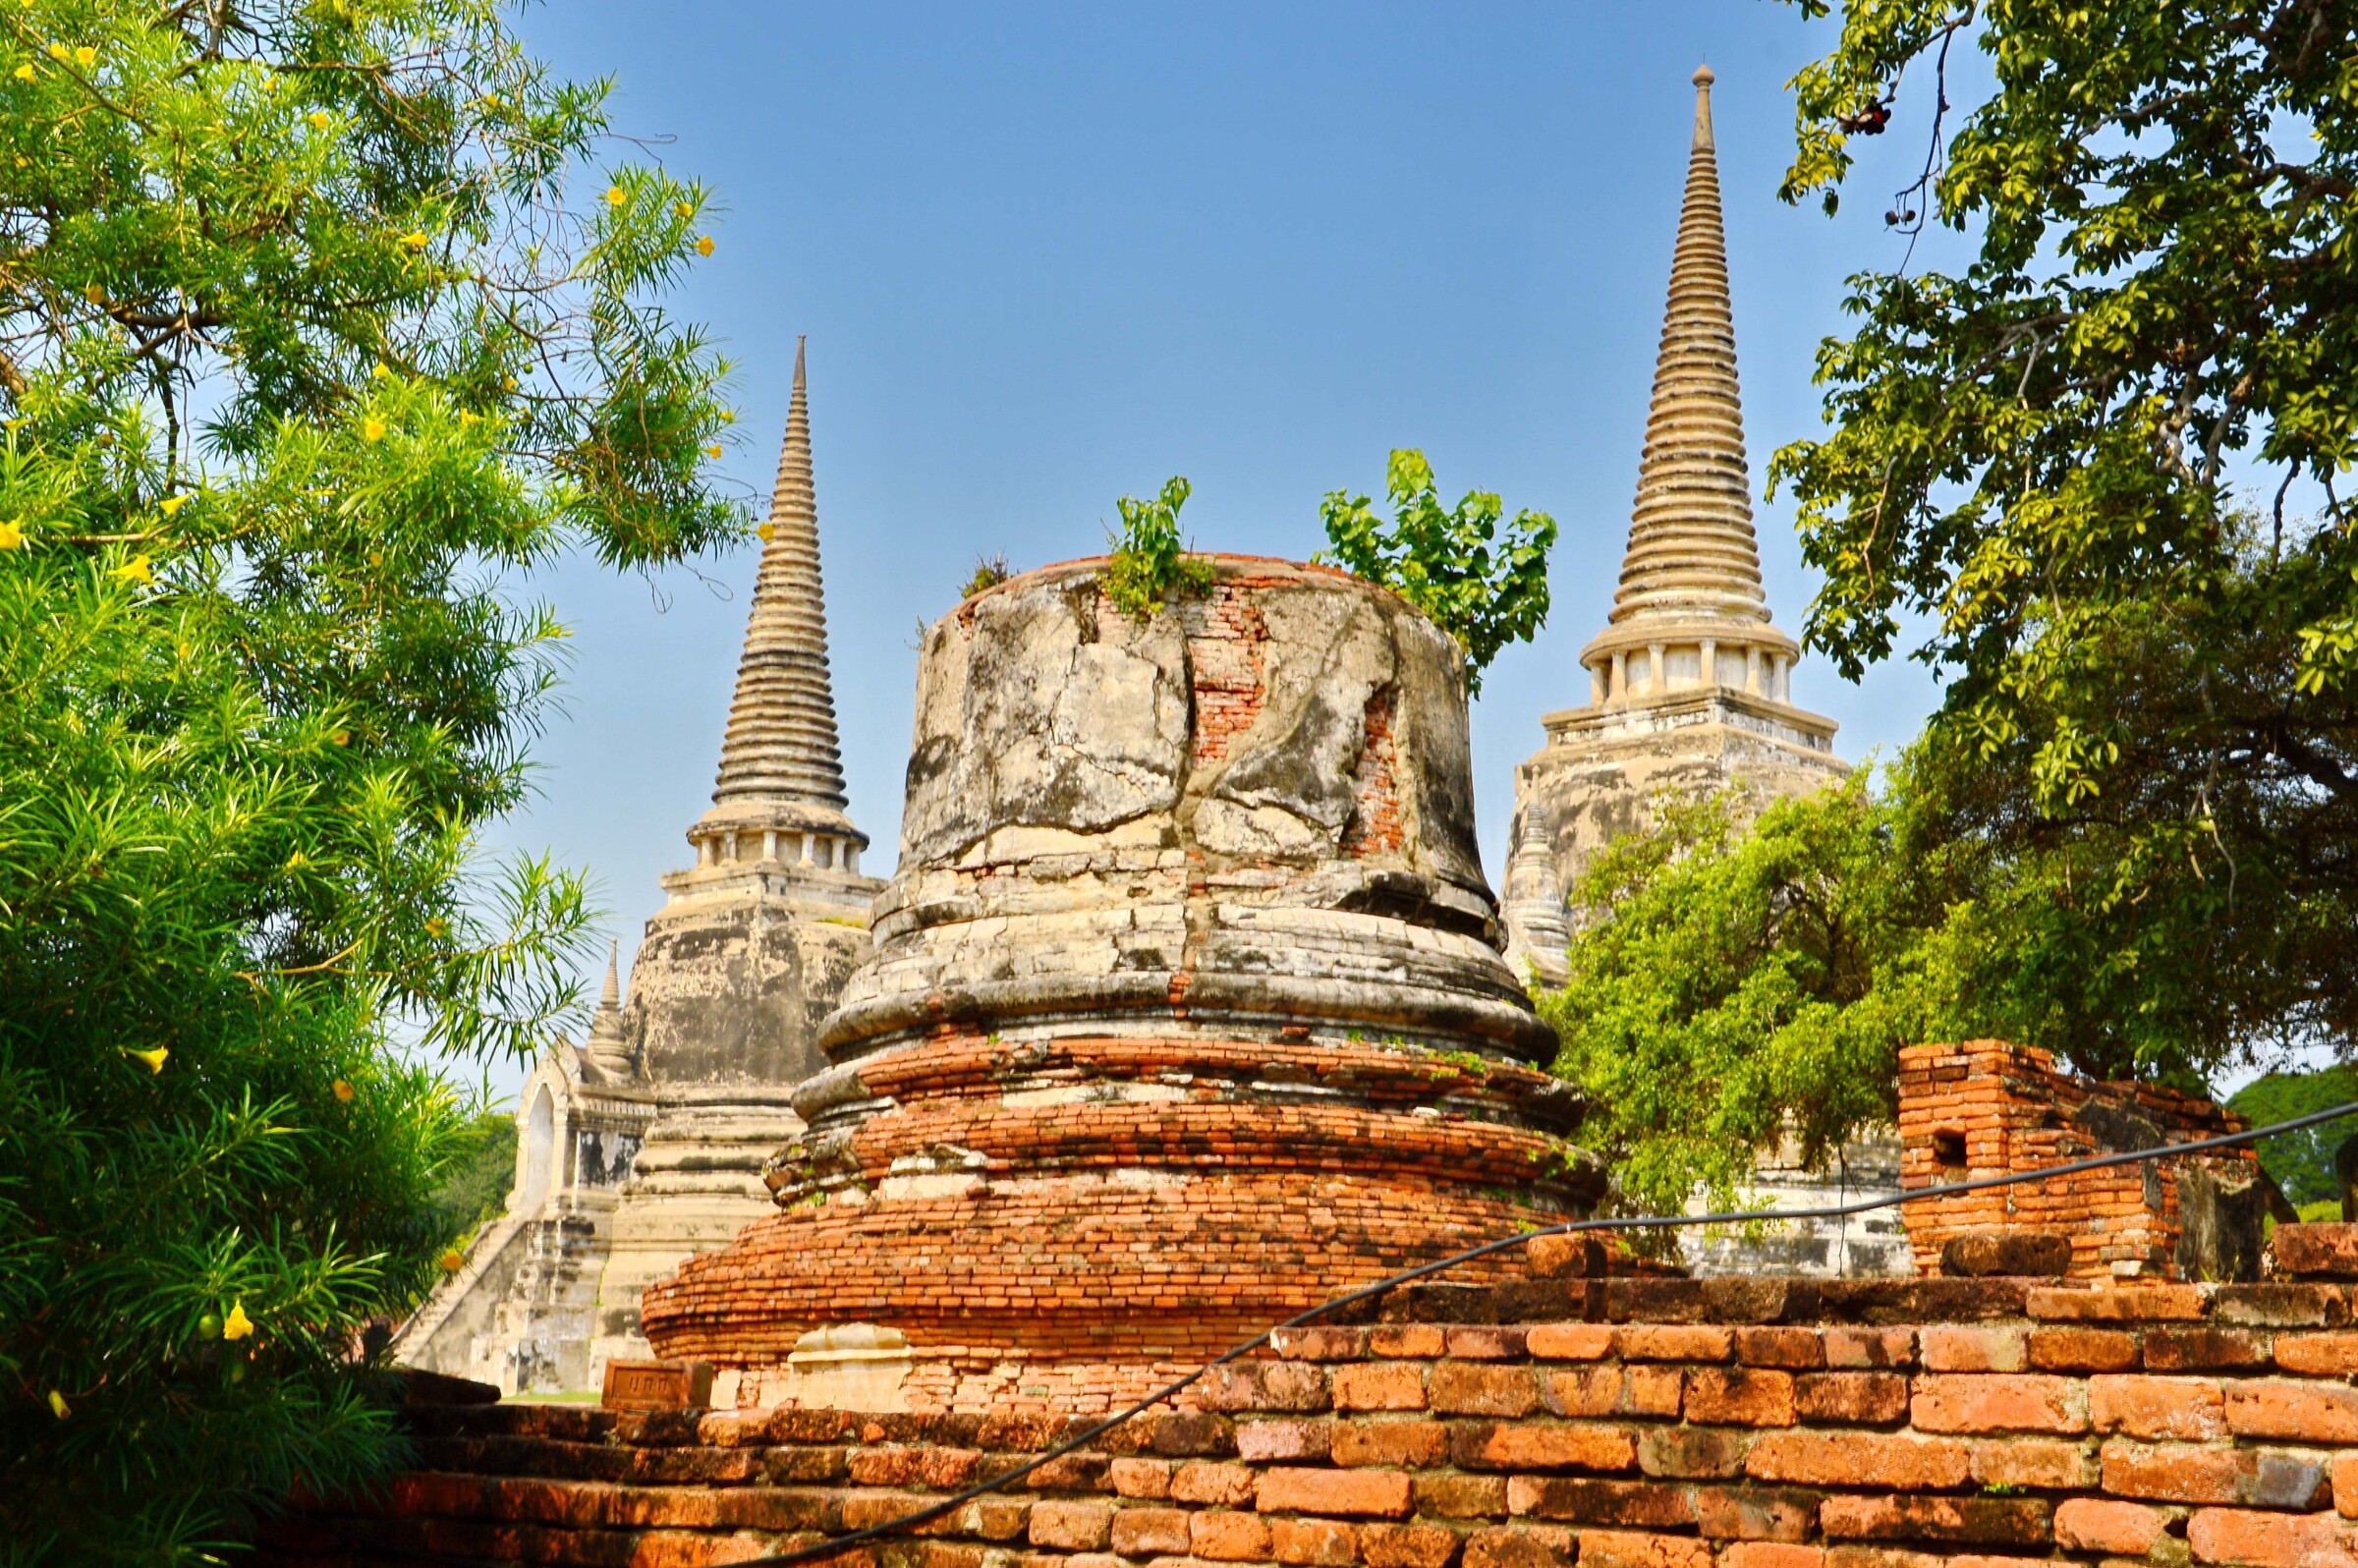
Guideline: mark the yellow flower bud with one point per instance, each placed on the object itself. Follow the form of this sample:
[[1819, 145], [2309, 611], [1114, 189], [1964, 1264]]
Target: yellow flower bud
[[57, 1404], [437, 928], [704, 247], [155, 1059], [237, 1325], [298, 861], [96, 293], [372, 429], [729, 415], [468, 418]]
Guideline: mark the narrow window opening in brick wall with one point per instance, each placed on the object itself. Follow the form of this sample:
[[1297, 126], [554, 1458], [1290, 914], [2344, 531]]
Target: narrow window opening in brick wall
[[1948, 1147]]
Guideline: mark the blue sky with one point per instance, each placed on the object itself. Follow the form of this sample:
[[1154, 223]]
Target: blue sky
[[1047, 255]]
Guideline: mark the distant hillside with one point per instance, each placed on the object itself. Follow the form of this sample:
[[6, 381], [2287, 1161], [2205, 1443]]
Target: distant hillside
[[2302, 1162]]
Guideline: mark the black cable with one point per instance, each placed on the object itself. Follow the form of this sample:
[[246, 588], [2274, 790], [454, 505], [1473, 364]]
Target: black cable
[[927, 1515]]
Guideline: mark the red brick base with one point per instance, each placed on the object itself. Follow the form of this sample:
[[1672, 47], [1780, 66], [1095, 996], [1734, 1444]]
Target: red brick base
[[1622, 1424]]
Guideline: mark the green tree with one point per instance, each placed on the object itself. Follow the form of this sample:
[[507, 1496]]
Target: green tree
[[1484, 590], [1729, 984], [2037, 459], [320, 324], [2302, 1162]]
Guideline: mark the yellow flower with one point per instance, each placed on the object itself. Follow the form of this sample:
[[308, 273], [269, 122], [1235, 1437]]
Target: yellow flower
[[135, 570], [171, 504], [343, 1090], [57, 1402], [372, 429], [685, 210], [155, 1059], [437, 928], [298, 861], [613, 195], [764, 533], [11, 537], [96, 293], [58, 51], [237, 1325], [453, 1260], [342, 737], [729, 415], [86, 57], [25, 73], [704, 247], [416, 240], [319, 119], [469, 417]]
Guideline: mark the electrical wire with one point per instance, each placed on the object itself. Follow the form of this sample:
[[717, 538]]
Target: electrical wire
[[949, 1505]]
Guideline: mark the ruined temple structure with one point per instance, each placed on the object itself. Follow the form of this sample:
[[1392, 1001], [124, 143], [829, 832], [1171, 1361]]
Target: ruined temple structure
[[1690, 690], [1186, 1012], [688, 1083], [1690, 683], [1989, 1108]]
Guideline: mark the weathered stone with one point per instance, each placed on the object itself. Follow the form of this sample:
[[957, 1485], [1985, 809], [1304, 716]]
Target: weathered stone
[[1981, 1253]]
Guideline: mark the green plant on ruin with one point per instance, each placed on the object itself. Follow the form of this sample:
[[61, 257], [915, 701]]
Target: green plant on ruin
[[320, 327], [1149, 564], [1484, 587], [2096, 476], [988, 573]]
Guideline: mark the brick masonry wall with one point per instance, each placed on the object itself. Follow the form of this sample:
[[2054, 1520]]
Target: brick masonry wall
[[1608, 1424], [1989, 1108]]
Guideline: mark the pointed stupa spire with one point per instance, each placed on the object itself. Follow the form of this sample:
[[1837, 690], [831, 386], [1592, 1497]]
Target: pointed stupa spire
[[607, 1048], [1691, 578], [780, 765]]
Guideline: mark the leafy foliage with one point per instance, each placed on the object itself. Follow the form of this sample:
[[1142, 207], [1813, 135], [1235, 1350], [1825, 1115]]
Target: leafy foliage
[[1731, 986], [305, 356], [481, 1170], [2302, 1162], [1149, 564], [1484, 590], [2038, 457]]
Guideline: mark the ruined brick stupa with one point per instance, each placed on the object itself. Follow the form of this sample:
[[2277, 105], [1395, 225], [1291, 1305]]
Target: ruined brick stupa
[[1186, 1012], [647, 1144], [1690, 683]]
